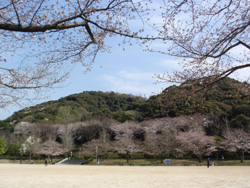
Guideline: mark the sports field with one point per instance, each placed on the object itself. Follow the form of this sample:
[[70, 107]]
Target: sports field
[[62, 176]]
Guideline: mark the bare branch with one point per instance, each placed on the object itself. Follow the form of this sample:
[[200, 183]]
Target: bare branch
[[19, 28], [36, 12], [17, 15]]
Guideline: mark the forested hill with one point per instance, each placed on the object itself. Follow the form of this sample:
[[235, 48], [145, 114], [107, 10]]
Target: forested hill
[[226, 99], [79, 107]]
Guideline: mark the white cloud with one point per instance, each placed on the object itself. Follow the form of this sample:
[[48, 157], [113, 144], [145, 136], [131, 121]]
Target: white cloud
[[241, 75], [136, 83]]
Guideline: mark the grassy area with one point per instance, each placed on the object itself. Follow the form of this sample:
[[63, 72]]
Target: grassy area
[[25, 161], [232, 163], [12, 161], [115, 160], [174, 162]]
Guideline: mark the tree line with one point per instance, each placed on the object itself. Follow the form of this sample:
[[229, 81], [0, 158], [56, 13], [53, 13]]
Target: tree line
[[175, 137]]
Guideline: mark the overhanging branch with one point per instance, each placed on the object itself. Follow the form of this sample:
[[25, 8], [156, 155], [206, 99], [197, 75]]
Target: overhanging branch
[[36, 28]]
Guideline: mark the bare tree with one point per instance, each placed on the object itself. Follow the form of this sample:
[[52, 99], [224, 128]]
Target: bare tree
[[209, 38], [196, 143], [42, 39], [236, 141]]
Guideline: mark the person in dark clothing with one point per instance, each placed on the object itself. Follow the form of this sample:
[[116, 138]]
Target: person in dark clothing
[[208, 162], [46, 162]]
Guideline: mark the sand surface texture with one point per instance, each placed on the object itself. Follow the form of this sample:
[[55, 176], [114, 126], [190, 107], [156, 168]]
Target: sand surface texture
[[62, 176]]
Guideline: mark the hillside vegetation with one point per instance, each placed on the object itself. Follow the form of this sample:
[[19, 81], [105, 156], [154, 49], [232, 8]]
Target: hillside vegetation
[[82, 106], [226, 100]]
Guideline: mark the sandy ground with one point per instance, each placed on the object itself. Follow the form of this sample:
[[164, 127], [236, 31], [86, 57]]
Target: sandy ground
[[62, 176]]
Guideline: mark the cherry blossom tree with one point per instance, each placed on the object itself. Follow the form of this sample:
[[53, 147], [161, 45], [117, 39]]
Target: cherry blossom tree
[[125, 141], [103, 144], [30, 146], [26, 135], [89, 147], [195, 122], [42, 40], [236, 141], [30, 136], [210, 39], [51, 148], [159, 142], [65, 135], [127, 145], [196, 143], [39, 138]]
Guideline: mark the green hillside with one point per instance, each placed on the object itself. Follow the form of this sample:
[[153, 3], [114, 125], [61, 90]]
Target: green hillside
[[227, 99], [79, 107]]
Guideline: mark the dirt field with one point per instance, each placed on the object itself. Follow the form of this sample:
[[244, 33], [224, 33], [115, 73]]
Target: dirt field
[[39, 176]]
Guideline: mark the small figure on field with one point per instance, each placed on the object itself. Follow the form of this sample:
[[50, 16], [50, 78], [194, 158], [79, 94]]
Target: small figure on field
[[21, 161], [208, 162], [46, 162]]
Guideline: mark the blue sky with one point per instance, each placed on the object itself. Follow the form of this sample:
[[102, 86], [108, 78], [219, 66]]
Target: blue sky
[[130, 71]]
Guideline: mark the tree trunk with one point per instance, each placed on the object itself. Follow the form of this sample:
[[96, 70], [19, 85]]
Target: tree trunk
[[161, 158], [242, 157], [199, 159]]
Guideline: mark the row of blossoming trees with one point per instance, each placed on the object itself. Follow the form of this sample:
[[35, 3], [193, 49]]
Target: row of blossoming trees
[[179, 136]]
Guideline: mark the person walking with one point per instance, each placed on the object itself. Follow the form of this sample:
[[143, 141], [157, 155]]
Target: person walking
[[46, 162]]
